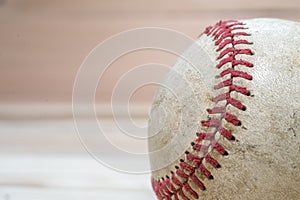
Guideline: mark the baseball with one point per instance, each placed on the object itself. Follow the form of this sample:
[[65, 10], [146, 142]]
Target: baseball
[[225, 123]]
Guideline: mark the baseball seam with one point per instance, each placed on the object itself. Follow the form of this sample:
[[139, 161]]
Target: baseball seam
[[178, 183]]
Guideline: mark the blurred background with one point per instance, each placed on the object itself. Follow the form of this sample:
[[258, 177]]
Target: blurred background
[[42, 45]]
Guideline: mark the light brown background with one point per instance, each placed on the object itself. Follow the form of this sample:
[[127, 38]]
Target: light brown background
[[43, 43]]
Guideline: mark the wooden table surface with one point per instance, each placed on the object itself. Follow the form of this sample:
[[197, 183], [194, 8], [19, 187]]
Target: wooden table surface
[[42, 45], [41, 157]]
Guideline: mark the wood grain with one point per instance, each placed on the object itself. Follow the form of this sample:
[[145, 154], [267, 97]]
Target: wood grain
[[43, 43], [64, 177]]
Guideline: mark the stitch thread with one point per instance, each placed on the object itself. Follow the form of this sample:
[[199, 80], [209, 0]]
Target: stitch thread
[[178, 185]]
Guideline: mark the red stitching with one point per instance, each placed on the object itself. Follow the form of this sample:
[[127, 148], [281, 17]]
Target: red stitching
[[232, 119], [186, 167], [221, 97], [235, 73], [180, 193], [192, 192], [236, 103], [196, 180], [175, 180], [200, 148], [164, 188], [211, 123], [225, 83], [224, 35], [219, 148], [234, 51], [217, 110], [204, 136], [181, 173], [170, 185], [192, 158], [226, 133], [213, 162], [205, 171], [239, 89]]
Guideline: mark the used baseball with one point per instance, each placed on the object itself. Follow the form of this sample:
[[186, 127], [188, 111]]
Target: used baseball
[[226, 125]]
